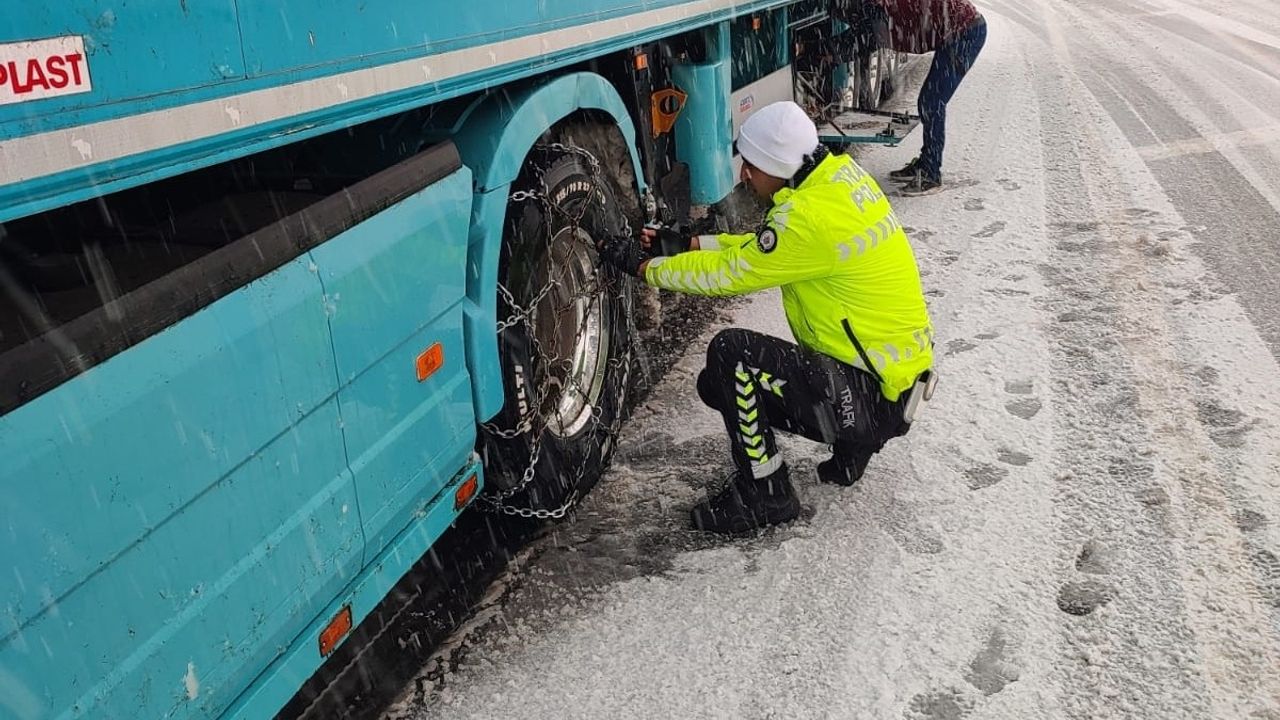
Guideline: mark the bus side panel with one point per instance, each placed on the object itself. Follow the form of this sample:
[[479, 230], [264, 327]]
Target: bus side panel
[[177, 514], [131, 50], [298, 34], [295, 34], [394, 285]]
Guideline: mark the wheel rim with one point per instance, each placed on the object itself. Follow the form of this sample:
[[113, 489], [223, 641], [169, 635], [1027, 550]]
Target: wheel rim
[[572, 326]]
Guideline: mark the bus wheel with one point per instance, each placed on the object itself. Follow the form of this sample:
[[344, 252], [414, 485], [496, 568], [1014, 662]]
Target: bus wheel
[[870, 74], [564, 337], [892, 64]]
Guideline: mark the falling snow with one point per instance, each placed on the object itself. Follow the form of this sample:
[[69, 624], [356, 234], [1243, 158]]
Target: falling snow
[[1062, 534]]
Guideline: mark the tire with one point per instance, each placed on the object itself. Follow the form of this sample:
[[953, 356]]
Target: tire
[[889, 79], [870, 74], [566, 362], [878, 73]]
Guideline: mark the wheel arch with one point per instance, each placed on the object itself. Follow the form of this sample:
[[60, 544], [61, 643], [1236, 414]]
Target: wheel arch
[[494, 134]]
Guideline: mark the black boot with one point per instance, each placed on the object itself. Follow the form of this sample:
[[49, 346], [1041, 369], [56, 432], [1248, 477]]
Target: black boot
[[922, 184], [907, 173], [749, 504], [844, 469]]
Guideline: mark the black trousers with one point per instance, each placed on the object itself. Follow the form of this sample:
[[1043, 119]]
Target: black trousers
[[760, 383]]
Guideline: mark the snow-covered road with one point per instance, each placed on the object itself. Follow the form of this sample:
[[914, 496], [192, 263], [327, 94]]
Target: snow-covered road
[[1086, 522]]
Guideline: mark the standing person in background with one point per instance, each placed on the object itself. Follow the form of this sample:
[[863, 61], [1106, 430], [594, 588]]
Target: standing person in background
[[954, 31]]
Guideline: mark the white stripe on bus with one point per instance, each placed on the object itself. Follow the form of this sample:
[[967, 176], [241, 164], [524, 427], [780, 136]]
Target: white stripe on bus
[[57, 151]]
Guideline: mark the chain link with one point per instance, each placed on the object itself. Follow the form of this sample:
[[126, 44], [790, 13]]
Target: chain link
[[532, 421], [573, 150], [521, 315], [525, 479]]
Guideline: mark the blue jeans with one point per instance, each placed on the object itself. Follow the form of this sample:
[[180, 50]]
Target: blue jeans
[[950, 63]]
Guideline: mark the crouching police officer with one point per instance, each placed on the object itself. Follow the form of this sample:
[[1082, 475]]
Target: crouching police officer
[[852, 296]]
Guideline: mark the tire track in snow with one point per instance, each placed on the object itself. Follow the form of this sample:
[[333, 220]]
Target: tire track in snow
[[1125, 366], [1209, 191], [1233, 227], [1104, 479], [1235, 112]]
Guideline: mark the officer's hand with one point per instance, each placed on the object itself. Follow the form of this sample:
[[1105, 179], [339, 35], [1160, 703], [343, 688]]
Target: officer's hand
[[622, 252], [648, 237], [665, 240]]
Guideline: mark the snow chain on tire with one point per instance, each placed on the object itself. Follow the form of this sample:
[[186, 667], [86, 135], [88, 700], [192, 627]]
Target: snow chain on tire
[[532, 420]]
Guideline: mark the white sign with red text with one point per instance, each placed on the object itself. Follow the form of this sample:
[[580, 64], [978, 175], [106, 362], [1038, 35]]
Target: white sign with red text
[[38, 69]]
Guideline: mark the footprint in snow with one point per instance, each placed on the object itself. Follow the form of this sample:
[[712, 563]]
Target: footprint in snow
[[1250, 520], [948, 257], [1007, 184], [995, 666], [1013, 457], [1081, 226], [991, 230], [1267, 570], [1082, 597], [1227, 428], [918, 235], [1206, 373], [974, 204], [955, 347], [947, 704], [1095, 558], [1019, 387], [1008, 292], [1026, 408], [1136, 212], [1153, 497], [984, 475]]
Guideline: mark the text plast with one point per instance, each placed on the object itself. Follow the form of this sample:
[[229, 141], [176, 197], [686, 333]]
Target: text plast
[[37, 69]]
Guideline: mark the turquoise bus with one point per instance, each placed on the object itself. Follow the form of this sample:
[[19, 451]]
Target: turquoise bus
[[286, 287]]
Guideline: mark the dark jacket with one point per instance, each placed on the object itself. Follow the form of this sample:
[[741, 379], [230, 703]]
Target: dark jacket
[[914, 26]]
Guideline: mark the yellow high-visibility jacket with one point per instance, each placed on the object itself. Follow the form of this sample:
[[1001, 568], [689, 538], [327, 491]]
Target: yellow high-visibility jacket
[[841, 258]]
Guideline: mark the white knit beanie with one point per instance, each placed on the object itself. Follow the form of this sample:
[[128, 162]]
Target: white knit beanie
[[777, 137]]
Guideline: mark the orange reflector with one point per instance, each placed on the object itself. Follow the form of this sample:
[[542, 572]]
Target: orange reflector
[[465, 492], [756, 23], [337, 629], [430, 361], [664, 107], [642, 61]]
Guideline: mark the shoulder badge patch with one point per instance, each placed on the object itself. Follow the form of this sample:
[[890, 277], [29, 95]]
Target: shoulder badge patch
[[767, 240]]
